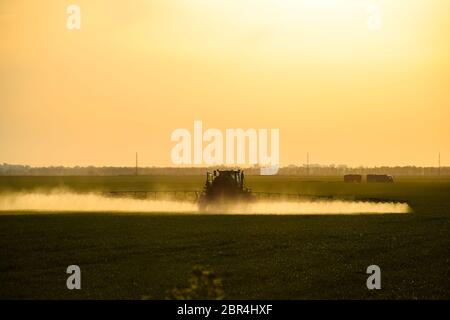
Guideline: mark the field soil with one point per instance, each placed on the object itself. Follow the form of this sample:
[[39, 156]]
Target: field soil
[[134, 256]]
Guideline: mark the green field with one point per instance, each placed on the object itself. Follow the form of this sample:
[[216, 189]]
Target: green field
[[257, 257]]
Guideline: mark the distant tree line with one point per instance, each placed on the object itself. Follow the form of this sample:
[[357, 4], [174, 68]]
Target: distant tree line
[[313, 170]]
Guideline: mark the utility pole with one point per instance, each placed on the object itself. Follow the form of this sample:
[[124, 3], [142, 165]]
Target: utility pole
[[136, 172], [307, 163], [439, 164]]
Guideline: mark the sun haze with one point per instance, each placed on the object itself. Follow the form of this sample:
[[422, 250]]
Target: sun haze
[[336, 86]]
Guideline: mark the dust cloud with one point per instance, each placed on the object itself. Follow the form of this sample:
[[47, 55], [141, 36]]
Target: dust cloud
[[65, 201]]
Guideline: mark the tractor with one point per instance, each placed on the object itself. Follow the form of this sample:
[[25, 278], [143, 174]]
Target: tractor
[[224, 187]]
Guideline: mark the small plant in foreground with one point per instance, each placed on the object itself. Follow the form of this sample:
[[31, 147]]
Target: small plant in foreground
[[203, 284]]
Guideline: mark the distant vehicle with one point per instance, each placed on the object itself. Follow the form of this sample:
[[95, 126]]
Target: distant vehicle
[[353, 178], [380, 178]]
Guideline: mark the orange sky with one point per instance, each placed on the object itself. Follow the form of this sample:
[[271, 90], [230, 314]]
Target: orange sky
[[137, 71]]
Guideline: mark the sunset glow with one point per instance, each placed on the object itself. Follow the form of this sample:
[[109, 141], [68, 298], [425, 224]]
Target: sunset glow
[[314, 69]]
